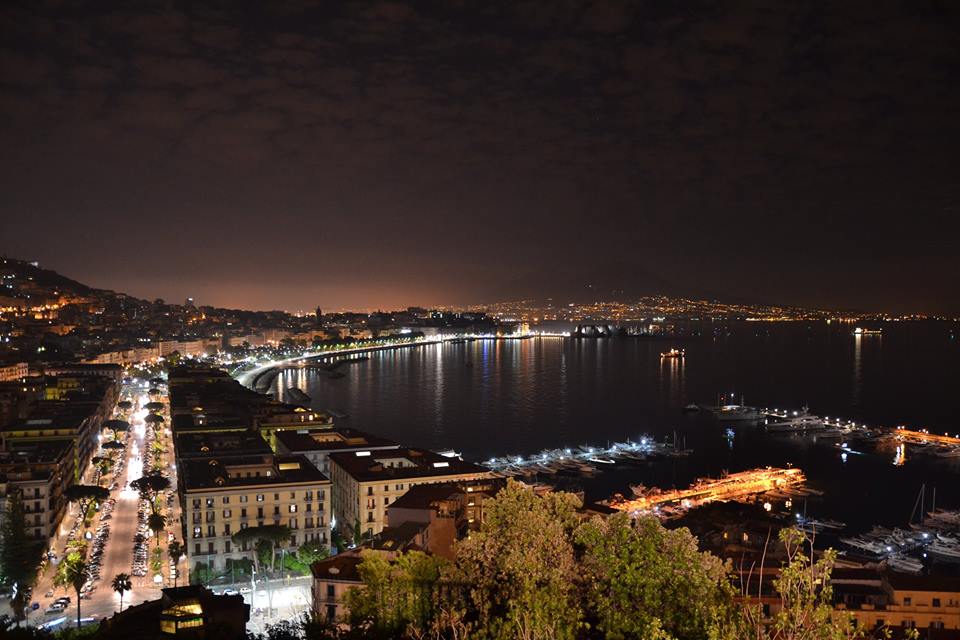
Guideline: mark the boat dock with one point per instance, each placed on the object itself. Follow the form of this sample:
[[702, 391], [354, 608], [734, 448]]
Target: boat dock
[[734, 486], [584, 459]]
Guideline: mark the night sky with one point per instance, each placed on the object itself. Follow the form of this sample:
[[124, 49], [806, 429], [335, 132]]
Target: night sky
[[381, 154]]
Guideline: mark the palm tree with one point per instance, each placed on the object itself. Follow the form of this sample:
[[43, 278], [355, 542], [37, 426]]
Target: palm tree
[[75, 574], [175, 552], [157, 523], [121, 583]]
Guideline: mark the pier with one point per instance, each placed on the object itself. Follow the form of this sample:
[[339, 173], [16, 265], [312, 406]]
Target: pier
[[733, 486]]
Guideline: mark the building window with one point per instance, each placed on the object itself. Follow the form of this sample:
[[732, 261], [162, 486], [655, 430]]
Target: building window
[[227, 513], [936, 602], [293, 540], [226, 499], [243, 512], [276, 509], [386, 501], [907, 601], [244, 499], [196, 549], [936, 624], [243, 525], [210, 548], [309, 507], [259, 497], [276, 497], [210, 502], [331, 612], [197, 533], [196, 504], [226, 529], [211, 531], [226, 546], [370, 517], [293, 508], [293, 495]]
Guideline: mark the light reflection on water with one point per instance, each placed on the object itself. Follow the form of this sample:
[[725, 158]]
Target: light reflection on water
[[520, 397]]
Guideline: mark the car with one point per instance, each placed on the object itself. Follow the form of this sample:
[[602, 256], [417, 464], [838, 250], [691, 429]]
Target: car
[[63, 599], [244, 590], [48, 594]]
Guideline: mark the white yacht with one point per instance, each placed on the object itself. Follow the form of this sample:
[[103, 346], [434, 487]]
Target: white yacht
[[796, 423]]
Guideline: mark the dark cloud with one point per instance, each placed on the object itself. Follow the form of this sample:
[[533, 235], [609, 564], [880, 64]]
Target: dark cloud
[[375, 153]]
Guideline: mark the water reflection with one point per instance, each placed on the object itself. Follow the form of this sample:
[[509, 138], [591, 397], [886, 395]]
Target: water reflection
[[857, 371], [673, 380]]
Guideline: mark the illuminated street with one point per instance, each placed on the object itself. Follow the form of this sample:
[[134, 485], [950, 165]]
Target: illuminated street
[[118, 553]]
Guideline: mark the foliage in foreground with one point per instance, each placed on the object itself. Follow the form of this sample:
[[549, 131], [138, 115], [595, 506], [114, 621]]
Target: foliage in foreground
[[538, 571]]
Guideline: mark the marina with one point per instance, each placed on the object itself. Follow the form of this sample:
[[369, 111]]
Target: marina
[[584, 459]]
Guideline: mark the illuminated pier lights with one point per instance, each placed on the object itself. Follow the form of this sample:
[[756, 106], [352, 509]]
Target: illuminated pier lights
[[734, 486]]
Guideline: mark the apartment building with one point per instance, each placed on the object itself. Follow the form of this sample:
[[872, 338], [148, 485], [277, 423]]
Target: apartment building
[[220, 495], [930, 604], [39, 472], [434, 516], [13, 371], [365, 483], [332, 579], [318, 445], [74, 408]]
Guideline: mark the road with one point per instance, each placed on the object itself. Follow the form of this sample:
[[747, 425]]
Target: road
[[290, 597], [118, 551]]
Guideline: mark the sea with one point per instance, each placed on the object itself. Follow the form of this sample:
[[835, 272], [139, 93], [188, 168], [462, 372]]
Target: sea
[[487, 398]]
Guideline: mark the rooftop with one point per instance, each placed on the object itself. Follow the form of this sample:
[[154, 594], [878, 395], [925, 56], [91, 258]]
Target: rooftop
[[401, 463], [220, 444], [337, 439], [249, 470], [341, 567]]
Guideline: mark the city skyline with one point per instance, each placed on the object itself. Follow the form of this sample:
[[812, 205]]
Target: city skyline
[[396, 153]]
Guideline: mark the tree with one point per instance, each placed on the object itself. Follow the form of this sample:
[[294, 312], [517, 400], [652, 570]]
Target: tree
[[103, 465], [157, 523], [641, 580], [149, 487], [806, 599], [17, 551], [175, 553], [121, 584], [74, 572], [311, 551], [397, 595], [270, 534], [515, 578], [248, 537], [85, 495]]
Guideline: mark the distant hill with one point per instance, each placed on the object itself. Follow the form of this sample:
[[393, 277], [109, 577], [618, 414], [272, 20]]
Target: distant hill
[[46, 278]]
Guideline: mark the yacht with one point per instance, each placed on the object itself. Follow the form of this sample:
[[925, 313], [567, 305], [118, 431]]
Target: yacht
[[904, 564], [673, 353], [945, 551], [737, 413], [797, 423]]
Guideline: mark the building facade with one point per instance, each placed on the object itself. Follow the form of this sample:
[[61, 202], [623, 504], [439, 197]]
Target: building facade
[[219, 497], [365, 483]]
